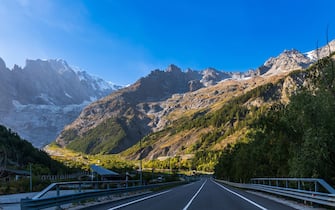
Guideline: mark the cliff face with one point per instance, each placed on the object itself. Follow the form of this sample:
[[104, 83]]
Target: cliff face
[[37, 101]]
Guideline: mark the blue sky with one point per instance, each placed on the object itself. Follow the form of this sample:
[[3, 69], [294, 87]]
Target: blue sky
[[123, 40]]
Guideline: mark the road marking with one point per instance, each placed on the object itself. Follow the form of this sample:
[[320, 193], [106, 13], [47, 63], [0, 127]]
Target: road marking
[[244, 198], [195, 195], [138, 200]]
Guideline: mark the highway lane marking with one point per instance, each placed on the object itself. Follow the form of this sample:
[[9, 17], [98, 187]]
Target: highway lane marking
[[244, 198], [195, 195], [139, 200]]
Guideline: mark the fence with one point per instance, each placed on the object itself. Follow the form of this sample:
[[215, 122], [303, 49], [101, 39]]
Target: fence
[[63, 176]]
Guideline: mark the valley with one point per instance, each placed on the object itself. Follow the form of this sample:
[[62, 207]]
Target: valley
[[176, 119]]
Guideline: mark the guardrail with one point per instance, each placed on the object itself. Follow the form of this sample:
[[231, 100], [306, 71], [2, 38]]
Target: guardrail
[[305, 189], [62, 188], [83, 191]]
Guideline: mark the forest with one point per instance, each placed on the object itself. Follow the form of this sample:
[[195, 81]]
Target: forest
[[289, 140], [17, 153]]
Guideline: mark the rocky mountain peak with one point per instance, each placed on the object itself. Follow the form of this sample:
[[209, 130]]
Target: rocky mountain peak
[[173, 69], [211, 76], [210, 70], [58, 66], [293, 53], [2, 64], [287, 61]]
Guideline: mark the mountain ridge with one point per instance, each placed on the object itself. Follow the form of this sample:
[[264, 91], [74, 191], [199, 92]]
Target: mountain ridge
[[39, 99]]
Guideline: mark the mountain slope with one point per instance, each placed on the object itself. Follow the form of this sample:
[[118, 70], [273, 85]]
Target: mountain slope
[[16, 153], [137, 109], [214, 126], [39, 99], [293, 140], [159, 100]]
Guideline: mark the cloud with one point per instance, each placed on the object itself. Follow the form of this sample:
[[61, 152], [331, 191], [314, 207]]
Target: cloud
[[28, 26]]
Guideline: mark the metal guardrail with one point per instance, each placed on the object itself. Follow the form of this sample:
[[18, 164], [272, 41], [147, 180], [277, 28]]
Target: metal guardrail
[[78, 187], [38, 202], [305, 189], [309, 184]]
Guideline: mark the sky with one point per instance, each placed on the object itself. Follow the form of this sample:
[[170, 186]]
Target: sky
[[123, 40]]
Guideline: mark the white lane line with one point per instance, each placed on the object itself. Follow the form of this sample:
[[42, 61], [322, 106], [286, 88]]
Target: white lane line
[[138, 200], [244, 198], [195, 195]]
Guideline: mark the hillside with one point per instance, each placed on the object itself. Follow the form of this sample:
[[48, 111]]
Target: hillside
[[204, 134], [17, 153]]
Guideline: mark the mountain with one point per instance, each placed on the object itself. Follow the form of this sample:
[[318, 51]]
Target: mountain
[[294, 139], [131, 110], [165, 98], [38, 100], [286, 62]]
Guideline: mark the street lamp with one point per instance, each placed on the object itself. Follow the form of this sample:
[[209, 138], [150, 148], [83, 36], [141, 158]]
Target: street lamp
[[31, 178], [141, 178]]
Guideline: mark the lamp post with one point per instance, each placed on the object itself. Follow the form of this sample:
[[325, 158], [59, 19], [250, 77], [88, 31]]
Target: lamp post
[[170, 165], [31, 178], [141, 177]]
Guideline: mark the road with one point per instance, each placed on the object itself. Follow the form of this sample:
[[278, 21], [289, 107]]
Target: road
[[204, 194]]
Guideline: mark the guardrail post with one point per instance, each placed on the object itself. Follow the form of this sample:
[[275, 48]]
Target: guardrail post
[[79, 187], [316, 186], [299, 187], [57, 190], [286, 183], [58, 194], [23, 203]]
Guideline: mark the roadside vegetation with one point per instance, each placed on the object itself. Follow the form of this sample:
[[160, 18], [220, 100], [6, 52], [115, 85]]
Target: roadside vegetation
[[83, 161]]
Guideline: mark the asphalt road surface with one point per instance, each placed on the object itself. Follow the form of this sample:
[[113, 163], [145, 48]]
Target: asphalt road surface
[[203, 194]]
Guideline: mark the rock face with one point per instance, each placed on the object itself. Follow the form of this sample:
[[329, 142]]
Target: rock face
[[37, 101], [287, 61]]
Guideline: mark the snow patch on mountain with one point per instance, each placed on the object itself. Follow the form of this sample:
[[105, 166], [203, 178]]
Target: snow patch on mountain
[[67, 95], [310, 55], [39, 99]]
